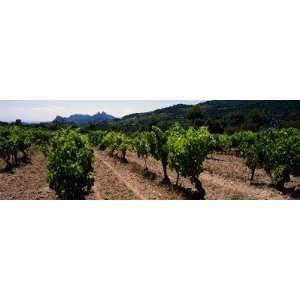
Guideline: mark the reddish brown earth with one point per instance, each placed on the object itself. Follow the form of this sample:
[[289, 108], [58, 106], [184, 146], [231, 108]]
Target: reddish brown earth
[[116, 180], [233, 168], [28, 181], [215, 184], [108, 184], [225, 177]]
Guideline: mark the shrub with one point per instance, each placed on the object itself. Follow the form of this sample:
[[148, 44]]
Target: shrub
[[281, 155], [187, 152], [252, 149], [142, 147], [70, 165], [159, 148]]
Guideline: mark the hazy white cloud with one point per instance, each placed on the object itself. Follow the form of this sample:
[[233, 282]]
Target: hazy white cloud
[[49, 109]]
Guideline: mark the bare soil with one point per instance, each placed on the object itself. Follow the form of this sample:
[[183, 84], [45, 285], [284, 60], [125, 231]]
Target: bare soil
[[234, 169], [108, 183], [117, 180], [27, 181], [225, 177], [215, 185]]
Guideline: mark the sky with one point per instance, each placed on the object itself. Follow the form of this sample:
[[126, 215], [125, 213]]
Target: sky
[[43, 111]]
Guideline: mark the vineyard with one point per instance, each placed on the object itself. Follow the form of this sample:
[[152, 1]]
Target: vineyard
[[179, 163]]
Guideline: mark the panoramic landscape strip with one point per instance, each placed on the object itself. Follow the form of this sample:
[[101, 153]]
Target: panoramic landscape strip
[[150, 150]]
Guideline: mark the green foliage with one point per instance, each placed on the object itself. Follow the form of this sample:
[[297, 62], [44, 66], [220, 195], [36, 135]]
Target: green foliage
[[42, 139], [124, 144], [175, 150], [96, 137], [159, 149], [222, 142], [187, 152], [196, 115], [252, 149], [255, 119], [142, 147], [70, 165], [277, 151], [236, 138], [14, 140], [116, 143], [22, 140], [282, 155], [109, 142], [6, 150], [292, 120]]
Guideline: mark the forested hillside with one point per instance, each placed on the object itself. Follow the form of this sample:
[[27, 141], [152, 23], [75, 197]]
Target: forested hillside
[[219, 116]]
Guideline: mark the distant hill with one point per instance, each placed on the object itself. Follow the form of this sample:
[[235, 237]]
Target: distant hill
[[225, 108], [219, 115], [80, 119], [252, 115], [226, 115], [161, 117]]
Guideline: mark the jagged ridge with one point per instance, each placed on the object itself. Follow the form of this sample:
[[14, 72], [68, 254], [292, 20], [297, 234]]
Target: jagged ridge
[[83, 118]]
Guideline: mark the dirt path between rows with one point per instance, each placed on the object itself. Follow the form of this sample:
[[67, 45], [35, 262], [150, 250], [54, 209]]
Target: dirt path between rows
[[116, 180], [216, 187], [127, 184], [219, 188], [108, 183]]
